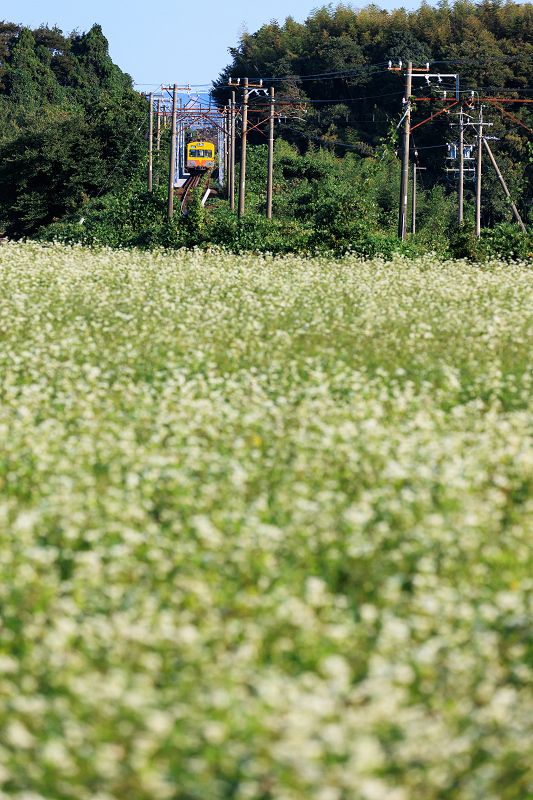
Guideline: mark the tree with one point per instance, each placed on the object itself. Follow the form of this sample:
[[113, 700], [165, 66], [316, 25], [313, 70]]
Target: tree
[[406, 47], [68, 124]]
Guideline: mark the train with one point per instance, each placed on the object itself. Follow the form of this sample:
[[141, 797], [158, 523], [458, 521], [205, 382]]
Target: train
[[200, 156]]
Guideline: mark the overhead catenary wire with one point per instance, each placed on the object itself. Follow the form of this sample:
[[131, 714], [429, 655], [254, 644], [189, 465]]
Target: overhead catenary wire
[[411, 95], [313, 102], [373, 70]]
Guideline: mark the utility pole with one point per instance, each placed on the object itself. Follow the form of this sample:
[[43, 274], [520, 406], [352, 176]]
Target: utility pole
[[150, 140], [180, 142], [457, 153], [158, 145], [413, 217], [402, 218], [226, 145], [478, 172], [504, 187], [232, 154], [270, 155], [461, 167], [242, 174], [413, 210], [172, 164]]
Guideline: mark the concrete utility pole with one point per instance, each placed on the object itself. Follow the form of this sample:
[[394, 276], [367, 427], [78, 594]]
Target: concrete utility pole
[[270, 155], [461, 168], [478, 173], [158, 140], [172, 164], [504, 187], [232, 154], [402, 217], [242, 175], [150, 140]]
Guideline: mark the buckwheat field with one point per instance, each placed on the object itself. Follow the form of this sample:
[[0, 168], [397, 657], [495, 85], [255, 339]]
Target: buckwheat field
[[266, 527]]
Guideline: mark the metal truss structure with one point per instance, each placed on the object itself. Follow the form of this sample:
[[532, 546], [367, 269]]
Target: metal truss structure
[[194, 114]]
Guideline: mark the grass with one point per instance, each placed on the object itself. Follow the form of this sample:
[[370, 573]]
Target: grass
[[266, 527]]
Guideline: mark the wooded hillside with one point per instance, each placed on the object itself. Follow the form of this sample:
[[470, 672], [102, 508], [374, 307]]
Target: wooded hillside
[[67, 115], [71, 144], [337, 60]]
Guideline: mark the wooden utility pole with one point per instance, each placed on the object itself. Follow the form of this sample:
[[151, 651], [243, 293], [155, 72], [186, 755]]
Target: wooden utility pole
[[413, 210], [232, 154], [150, 140], [158, 139], [242, 174], [402, 217], [461, 168], [172, 165], [504, 187], [270, 155], [478, 172]]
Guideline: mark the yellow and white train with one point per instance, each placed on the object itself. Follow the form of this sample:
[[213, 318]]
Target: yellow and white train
[[200, 156]]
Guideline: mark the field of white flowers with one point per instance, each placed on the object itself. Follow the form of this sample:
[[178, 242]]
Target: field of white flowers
[[266, 528]]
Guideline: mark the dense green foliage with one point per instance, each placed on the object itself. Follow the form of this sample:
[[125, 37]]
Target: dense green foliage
[[322, 203], [69, 149], [358, 104], [67, 116]]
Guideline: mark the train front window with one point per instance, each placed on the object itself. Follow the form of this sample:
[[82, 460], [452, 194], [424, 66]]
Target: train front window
[[200, 153]]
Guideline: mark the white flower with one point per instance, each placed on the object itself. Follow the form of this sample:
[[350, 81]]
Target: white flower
[[19, 736]]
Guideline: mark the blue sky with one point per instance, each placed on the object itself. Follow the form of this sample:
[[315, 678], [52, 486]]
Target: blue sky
[[164, 42]]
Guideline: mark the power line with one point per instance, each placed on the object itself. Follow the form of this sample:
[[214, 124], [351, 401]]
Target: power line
[[399, 93], [360, 146], [495, 89], [135, 133], [341, 72], [330, 75], [503, 59], [353, 99], [368, 67], [330, 141]]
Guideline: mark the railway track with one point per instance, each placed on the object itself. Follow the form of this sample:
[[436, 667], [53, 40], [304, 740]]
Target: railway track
[[192, 182]]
